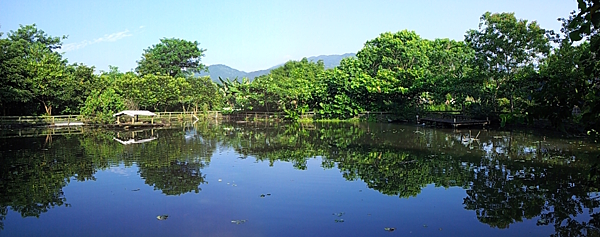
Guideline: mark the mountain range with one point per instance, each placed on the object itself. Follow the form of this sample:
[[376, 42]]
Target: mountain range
[[219, 70]]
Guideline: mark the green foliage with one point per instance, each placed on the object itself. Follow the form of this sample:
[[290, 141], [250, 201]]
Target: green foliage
[[587, 24], [561, 85], [32, 73], [173, 57], [345, 92], [49, 83], [506, 65], [452, 76], [503, 46], [293, 89], [201, 94], [152, 91], [397, 65], [101, 105]]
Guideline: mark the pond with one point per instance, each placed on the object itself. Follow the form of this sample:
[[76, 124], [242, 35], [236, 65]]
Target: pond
[[332, 179]]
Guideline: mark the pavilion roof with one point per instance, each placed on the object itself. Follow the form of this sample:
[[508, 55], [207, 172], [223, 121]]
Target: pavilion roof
[[134, 113]]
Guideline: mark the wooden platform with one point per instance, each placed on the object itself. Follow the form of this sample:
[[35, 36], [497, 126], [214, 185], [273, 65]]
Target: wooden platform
[[136, 125], [451, 120]]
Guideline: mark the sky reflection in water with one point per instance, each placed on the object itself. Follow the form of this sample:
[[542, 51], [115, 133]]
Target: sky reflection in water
[[298, 181]]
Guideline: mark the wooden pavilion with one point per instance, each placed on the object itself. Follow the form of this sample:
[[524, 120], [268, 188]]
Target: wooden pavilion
[[134, 114]]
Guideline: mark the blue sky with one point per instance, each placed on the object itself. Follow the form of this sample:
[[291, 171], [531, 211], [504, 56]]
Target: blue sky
[[253, 35]]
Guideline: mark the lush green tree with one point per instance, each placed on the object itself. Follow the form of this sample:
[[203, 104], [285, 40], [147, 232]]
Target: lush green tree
[[293, 86], [30, 71], [586, 24], [236, 94], [100, 105], [451, 73], [561, 85], [504, 45], [83, 81], [398, 65], [49, 82], [202, 94], [345, 94], [173, 57], [12, 75], [152, 91]]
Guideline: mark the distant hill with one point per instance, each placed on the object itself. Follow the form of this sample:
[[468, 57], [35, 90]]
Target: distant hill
[[331, 61], [224, 71]]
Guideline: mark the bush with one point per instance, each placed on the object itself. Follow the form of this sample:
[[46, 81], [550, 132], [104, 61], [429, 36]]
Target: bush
[[101, 105]]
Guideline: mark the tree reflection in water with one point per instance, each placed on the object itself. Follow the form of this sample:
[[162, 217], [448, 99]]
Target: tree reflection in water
[[508, 176]]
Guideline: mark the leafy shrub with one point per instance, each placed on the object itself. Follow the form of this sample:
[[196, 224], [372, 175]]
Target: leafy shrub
[[101, 105]]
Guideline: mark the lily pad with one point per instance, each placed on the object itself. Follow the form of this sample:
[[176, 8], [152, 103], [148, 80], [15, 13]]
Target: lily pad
[[543, 221], [162, 217], [237, 222]]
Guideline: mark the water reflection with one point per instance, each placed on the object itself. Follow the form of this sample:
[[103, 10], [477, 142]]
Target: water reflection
[[508, 176]]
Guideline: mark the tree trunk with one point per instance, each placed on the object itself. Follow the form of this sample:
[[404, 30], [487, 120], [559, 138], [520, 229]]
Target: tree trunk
[[48, 108], [512, 102]]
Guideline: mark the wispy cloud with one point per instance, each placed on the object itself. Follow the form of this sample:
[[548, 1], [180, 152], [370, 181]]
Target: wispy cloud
[[119, 170], [106, 38]]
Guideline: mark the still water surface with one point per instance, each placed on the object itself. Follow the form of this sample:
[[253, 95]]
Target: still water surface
[[360, 179]]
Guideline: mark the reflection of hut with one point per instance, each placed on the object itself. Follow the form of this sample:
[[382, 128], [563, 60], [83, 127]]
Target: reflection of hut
[[134, 137], [134, 114], [133, 141]]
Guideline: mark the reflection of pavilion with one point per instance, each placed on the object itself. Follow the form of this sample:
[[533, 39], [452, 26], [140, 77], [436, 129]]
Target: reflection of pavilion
[[134, 137], [139, 118]]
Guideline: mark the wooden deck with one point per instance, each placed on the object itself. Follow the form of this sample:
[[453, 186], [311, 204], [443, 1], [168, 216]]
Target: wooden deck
[[136, 125], [451, 120]]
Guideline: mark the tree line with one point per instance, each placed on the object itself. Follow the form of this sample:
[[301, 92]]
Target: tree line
[[37, 80], [507, 69]]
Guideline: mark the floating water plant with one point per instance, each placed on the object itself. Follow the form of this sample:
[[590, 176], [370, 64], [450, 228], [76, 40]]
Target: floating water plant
[[237, 222]]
